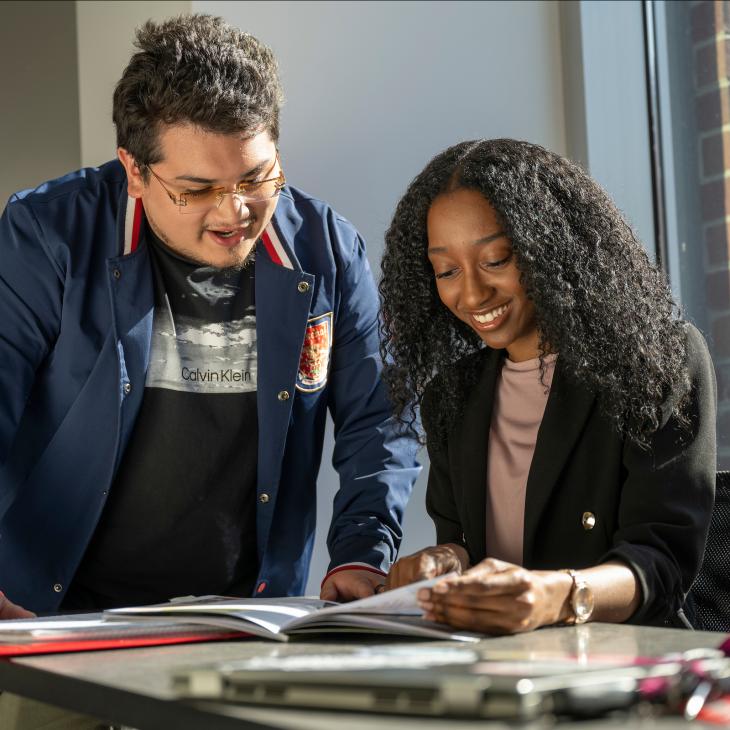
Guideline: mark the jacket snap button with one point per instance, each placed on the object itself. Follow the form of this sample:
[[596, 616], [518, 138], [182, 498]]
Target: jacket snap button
[[117, 274], [263, 498], [588, 520], [303, 286], [57, 587], [127, 388], [283, 395]]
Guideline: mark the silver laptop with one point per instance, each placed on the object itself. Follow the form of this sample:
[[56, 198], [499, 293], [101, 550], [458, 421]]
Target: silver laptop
[[474, 689]]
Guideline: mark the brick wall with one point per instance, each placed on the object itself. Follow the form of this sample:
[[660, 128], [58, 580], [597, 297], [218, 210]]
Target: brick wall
[[711, 49]]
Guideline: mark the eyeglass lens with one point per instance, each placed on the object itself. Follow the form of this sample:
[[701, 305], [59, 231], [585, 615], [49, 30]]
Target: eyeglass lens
[[195, 201]]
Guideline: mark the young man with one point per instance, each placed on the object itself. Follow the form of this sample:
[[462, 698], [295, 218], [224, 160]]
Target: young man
[[175, 325]]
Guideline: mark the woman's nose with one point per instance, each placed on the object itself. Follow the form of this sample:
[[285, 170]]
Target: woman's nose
[[475, 291]]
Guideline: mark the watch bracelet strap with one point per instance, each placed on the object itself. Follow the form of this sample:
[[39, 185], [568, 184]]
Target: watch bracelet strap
[[571, 618]]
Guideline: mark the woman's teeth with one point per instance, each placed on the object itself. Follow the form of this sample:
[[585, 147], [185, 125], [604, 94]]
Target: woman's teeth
[[490, 316]]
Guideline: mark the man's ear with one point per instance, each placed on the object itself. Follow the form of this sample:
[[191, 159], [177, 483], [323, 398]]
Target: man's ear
[[135, 183]]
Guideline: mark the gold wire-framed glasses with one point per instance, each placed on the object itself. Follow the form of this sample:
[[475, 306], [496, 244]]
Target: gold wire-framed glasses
[[250, 191]]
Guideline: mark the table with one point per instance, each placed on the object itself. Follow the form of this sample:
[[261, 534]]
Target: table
[[133, 686]]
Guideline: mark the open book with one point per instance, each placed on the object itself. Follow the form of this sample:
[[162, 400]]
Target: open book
[[393, 612]]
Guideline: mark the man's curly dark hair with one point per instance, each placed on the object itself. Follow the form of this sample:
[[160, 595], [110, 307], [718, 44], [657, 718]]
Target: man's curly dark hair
[[195, 69], [600, 302]]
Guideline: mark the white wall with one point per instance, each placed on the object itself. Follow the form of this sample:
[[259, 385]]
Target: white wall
[[105, 33], [375, 89], [39, 124]]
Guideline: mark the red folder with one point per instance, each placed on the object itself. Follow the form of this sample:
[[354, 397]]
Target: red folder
[[123, 636], [178, 636]]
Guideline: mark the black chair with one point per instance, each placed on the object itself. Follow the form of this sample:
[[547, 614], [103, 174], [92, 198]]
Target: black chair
[[711, 590]]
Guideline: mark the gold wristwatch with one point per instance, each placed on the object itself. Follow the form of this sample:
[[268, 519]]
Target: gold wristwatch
[[580, 599]]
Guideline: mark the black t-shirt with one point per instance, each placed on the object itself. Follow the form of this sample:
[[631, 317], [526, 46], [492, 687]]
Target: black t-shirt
[[181, 515]]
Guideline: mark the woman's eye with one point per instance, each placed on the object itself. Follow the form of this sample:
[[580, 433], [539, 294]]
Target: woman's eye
[[497, 264], [445, 274]]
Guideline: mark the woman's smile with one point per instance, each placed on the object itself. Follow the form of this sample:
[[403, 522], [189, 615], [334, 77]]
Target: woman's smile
[[490, 319]]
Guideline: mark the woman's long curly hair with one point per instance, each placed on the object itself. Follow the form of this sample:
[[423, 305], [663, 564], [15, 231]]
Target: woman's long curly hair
[[600, 303]]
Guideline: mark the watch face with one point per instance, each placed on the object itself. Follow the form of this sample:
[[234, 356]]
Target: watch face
[[582, 602]]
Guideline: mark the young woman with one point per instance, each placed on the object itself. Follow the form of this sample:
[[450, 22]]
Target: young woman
[[569, 414]]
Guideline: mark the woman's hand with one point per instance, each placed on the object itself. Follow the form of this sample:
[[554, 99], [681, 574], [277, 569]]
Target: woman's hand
[[428, 563], [498, 598]]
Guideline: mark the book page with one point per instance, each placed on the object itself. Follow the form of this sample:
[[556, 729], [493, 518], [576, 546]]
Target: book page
[[262, 616], [401, 601]]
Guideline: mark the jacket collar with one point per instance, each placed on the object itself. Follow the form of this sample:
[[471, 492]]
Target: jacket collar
[[566, 412], [470, 438], [129, 222], [133, 213]]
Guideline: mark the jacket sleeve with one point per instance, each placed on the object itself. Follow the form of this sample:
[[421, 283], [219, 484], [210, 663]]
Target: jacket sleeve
[[667, 497], [373, 455], [31, 293]]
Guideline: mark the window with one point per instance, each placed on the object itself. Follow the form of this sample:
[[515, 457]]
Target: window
[[688, 46]]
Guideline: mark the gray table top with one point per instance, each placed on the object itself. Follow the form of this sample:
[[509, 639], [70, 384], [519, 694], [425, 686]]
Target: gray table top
[[134, 686]]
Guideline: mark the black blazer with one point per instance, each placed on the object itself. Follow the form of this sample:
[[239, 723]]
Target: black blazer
[[651, 507]]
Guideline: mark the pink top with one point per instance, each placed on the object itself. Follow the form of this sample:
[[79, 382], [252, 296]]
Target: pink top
[[519, 405]]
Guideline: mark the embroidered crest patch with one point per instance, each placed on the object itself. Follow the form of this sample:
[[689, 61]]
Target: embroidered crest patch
[[315, 357]]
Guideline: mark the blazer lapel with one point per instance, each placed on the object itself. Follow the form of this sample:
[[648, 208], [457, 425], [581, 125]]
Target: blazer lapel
[[566, 412], [468, 443]]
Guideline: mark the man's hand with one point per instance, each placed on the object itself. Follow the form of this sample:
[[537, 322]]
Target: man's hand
[[8, 609], [348, 585], [428, 563], [497, 598]]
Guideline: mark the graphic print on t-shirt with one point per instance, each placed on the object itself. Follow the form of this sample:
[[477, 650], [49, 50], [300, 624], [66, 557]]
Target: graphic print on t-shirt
[[180, 518], [195, 355]]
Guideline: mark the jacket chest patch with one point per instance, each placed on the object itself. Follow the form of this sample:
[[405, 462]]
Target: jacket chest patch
[[315, 357]]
